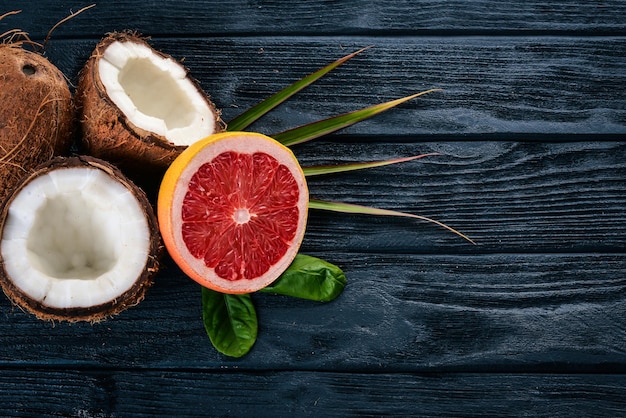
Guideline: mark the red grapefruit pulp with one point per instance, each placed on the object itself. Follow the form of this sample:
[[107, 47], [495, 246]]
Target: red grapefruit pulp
[[232, 210]]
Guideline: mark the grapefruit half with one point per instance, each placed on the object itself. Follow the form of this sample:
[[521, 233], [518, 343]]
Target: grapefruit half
[[232, 211]]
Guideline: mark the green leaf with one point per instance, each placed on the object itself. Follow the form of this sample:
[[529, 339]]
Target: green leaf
[[339, 168], [230, 321], [326, 126], [310, 278], [248, 117], [351, 208]]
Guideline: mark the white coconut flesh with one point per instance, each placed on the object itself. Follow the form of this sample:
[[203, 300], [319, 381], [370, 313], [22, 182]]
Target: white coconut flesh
[[154, 93], [75, 237]]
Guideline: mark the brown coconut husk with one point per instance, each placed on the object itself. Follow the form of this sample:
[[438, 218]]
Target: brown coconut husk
[[36, 114], [96, 313], [107, 134]]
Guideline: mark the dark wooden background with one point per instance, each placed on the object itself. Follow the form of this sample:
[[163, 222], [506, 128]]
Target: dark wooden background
[[532, 122]]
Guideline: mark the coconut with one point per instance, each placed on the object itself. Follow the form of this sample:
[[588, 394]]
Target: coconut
[[78, 241], [36, 114], [139, 108]]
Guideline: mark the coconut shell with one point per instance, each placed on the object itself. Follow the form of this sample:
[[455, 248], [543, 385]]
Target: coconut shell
[[96, 313], [106, 132], [36, 114]]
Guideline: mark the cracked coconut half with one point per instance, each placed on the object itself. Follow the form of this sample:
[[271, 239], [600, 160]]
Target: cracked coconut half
[[139, 108], [79, 242]]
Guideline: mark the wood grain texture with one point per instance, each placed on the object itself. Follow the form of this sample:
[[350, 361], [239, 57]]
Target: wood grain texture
[[530, 89], [399, 313], [531, 123], [286, 394], [508, 196], [324, 17]]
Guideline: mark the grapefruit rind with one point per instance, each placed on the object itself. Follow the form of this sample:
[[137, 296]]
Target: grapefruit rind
[[175, 186]]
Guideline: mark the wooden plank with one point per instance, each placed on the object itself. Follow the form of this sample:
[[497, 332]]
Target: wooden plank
[[399, 313], [509, 197], [529, 89], [246, 18], [142, 393]]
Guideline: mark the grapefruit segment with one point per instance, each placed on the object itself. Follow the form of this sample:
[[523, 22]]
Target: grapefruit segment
[[232, 211]]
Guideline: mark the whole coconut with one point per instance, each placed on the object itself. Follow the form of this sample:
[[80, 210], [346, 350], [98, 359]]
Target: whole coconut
[[139, 108], [36, 114]]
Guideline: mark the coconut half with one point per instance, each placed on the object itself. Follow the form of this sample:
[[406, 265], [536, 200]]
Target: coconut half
[[79, 241], [138, 107], [36, 114]]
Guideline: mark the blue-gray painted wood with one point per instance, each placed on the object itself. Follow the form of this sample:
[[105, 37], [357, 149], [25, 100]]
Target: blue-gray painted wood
[[531, 124]]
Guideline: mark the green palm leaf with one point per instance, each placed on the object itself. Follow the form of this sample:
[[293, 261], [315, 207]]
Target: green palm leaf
[[248, 117], [340, 168], [351, 208], [326, 126]]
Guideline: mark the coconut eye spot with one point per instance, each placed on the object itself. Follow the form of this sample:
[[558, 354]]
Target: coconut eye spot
[[154, 93], [29, 69]]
